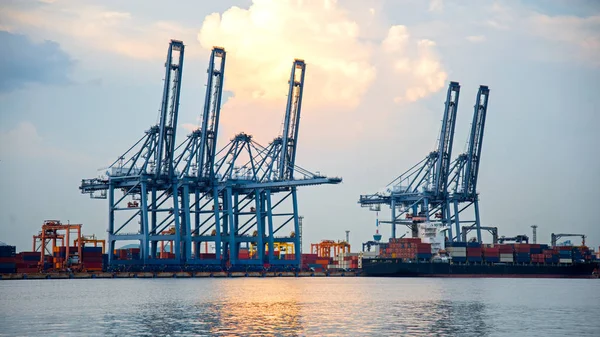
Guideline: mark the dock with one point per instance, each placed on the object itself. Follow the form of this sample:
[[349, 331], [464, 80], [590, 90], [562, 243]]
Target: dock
[[148, 275]]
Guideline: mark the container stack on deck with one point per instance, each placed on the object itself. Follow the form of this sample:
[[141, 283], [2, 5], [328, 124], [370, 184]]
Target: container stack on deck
[[491, 254], [458, 251], [521, 253], [7, 259], [406, 248], [474, 252], [92, 258]]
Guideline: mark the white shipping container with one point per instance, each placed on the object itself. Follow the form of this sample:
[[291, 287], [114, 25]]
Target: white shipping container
[[506, 259], [459, 254], [506, 256], [456, 249], [565, 260]]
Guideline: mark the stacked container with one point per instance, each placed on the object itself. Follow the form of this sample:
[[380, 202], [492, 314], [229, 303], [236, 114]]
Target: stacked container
[[7, 259], [131, 254], [458, 251], [424, 251], [27, 262], [91, 257], [491, 254], [405, 248], [474, 252], [243, 254], [565, 254], [506, 253], [551, 256], [345, 261], [522, 253]]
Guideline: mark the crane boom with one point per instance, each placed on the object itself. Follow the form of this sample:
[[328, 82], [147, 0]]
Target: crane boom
[[210, 116], [476, 141], [446, 139], [292, 121], [169, 109]]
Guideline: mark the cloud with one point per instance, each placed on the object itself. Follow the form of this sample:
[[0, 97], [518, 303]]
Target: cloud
[[436, 6], [476, 38], [97, 27], [263, 40], [422, 72], [24, 61], [24, 141], [580, 33]]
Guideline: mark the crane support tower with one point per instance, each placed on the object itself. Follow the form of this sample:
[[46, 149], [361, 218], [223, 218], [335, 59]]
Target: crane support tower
[[436, 186], [187, 197]]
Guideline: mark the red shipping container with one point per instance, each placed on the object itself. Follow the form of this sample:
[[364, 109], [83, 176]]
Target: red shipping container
[[474, 252]]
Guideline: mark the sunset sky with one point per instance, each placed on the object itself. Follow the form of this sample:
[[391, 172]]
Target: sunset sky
[[80, 81]]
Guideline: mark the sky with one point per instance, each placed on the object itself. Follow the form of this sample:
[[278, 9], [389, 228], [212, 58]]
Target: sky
[[80, 81]]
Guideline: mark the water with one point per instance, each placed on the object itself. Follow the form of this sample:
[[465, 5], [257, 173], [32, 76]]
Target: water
[[300, 307]]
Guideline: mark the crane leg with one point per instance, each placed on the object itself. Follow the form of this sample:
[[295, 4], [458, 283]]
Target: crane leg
[[477, 220]]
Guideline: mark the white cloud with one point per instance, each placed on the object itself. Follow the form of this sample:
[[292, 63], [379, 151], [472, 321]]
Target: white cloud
[[579, 36], [190, 127], [580, 33], [97, 27], [422, 73], [262, 41], [24, 141], [476, 38], [436, 5]]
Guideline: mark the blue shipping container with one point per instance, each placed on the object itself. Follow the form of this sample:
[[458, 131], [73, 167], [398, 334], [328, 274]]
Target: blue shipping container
[[474, 259], [459, 259], [92, 249], [456, 244], [424, 256], [7, 265], [474, 244], [492, 259]]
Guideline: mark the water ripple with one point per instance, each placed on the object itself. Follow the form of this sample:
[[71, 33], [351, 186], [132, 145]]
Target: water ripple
[[299, 307]]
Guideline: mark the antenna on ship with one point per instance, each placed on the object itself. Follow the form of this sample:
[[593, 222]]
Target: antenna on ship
[[534, 233]]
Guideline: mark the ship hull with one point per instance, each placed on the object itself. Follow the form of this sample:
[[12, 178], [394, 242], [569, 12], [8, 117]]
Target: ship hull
[[396, 268]]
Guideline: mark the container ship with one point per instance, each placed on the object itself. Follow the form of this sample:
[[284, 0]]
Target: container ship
[[430, 255]]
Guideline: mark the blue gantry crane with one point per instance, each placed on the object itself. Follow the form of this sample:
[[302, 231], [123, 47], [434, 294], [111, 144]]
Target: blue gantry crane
[[193, 195], [429, 189], [145, 174], [196, 160], [256, 188], [423, 186], [465, 172]]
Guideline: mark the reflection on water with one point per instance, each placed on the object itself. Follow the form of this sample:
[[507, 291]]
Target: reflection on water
[[299, 307]]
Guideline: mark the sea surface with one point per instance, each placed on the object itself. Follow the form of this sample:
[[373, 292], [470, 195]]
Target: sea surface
[[300, 307]]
